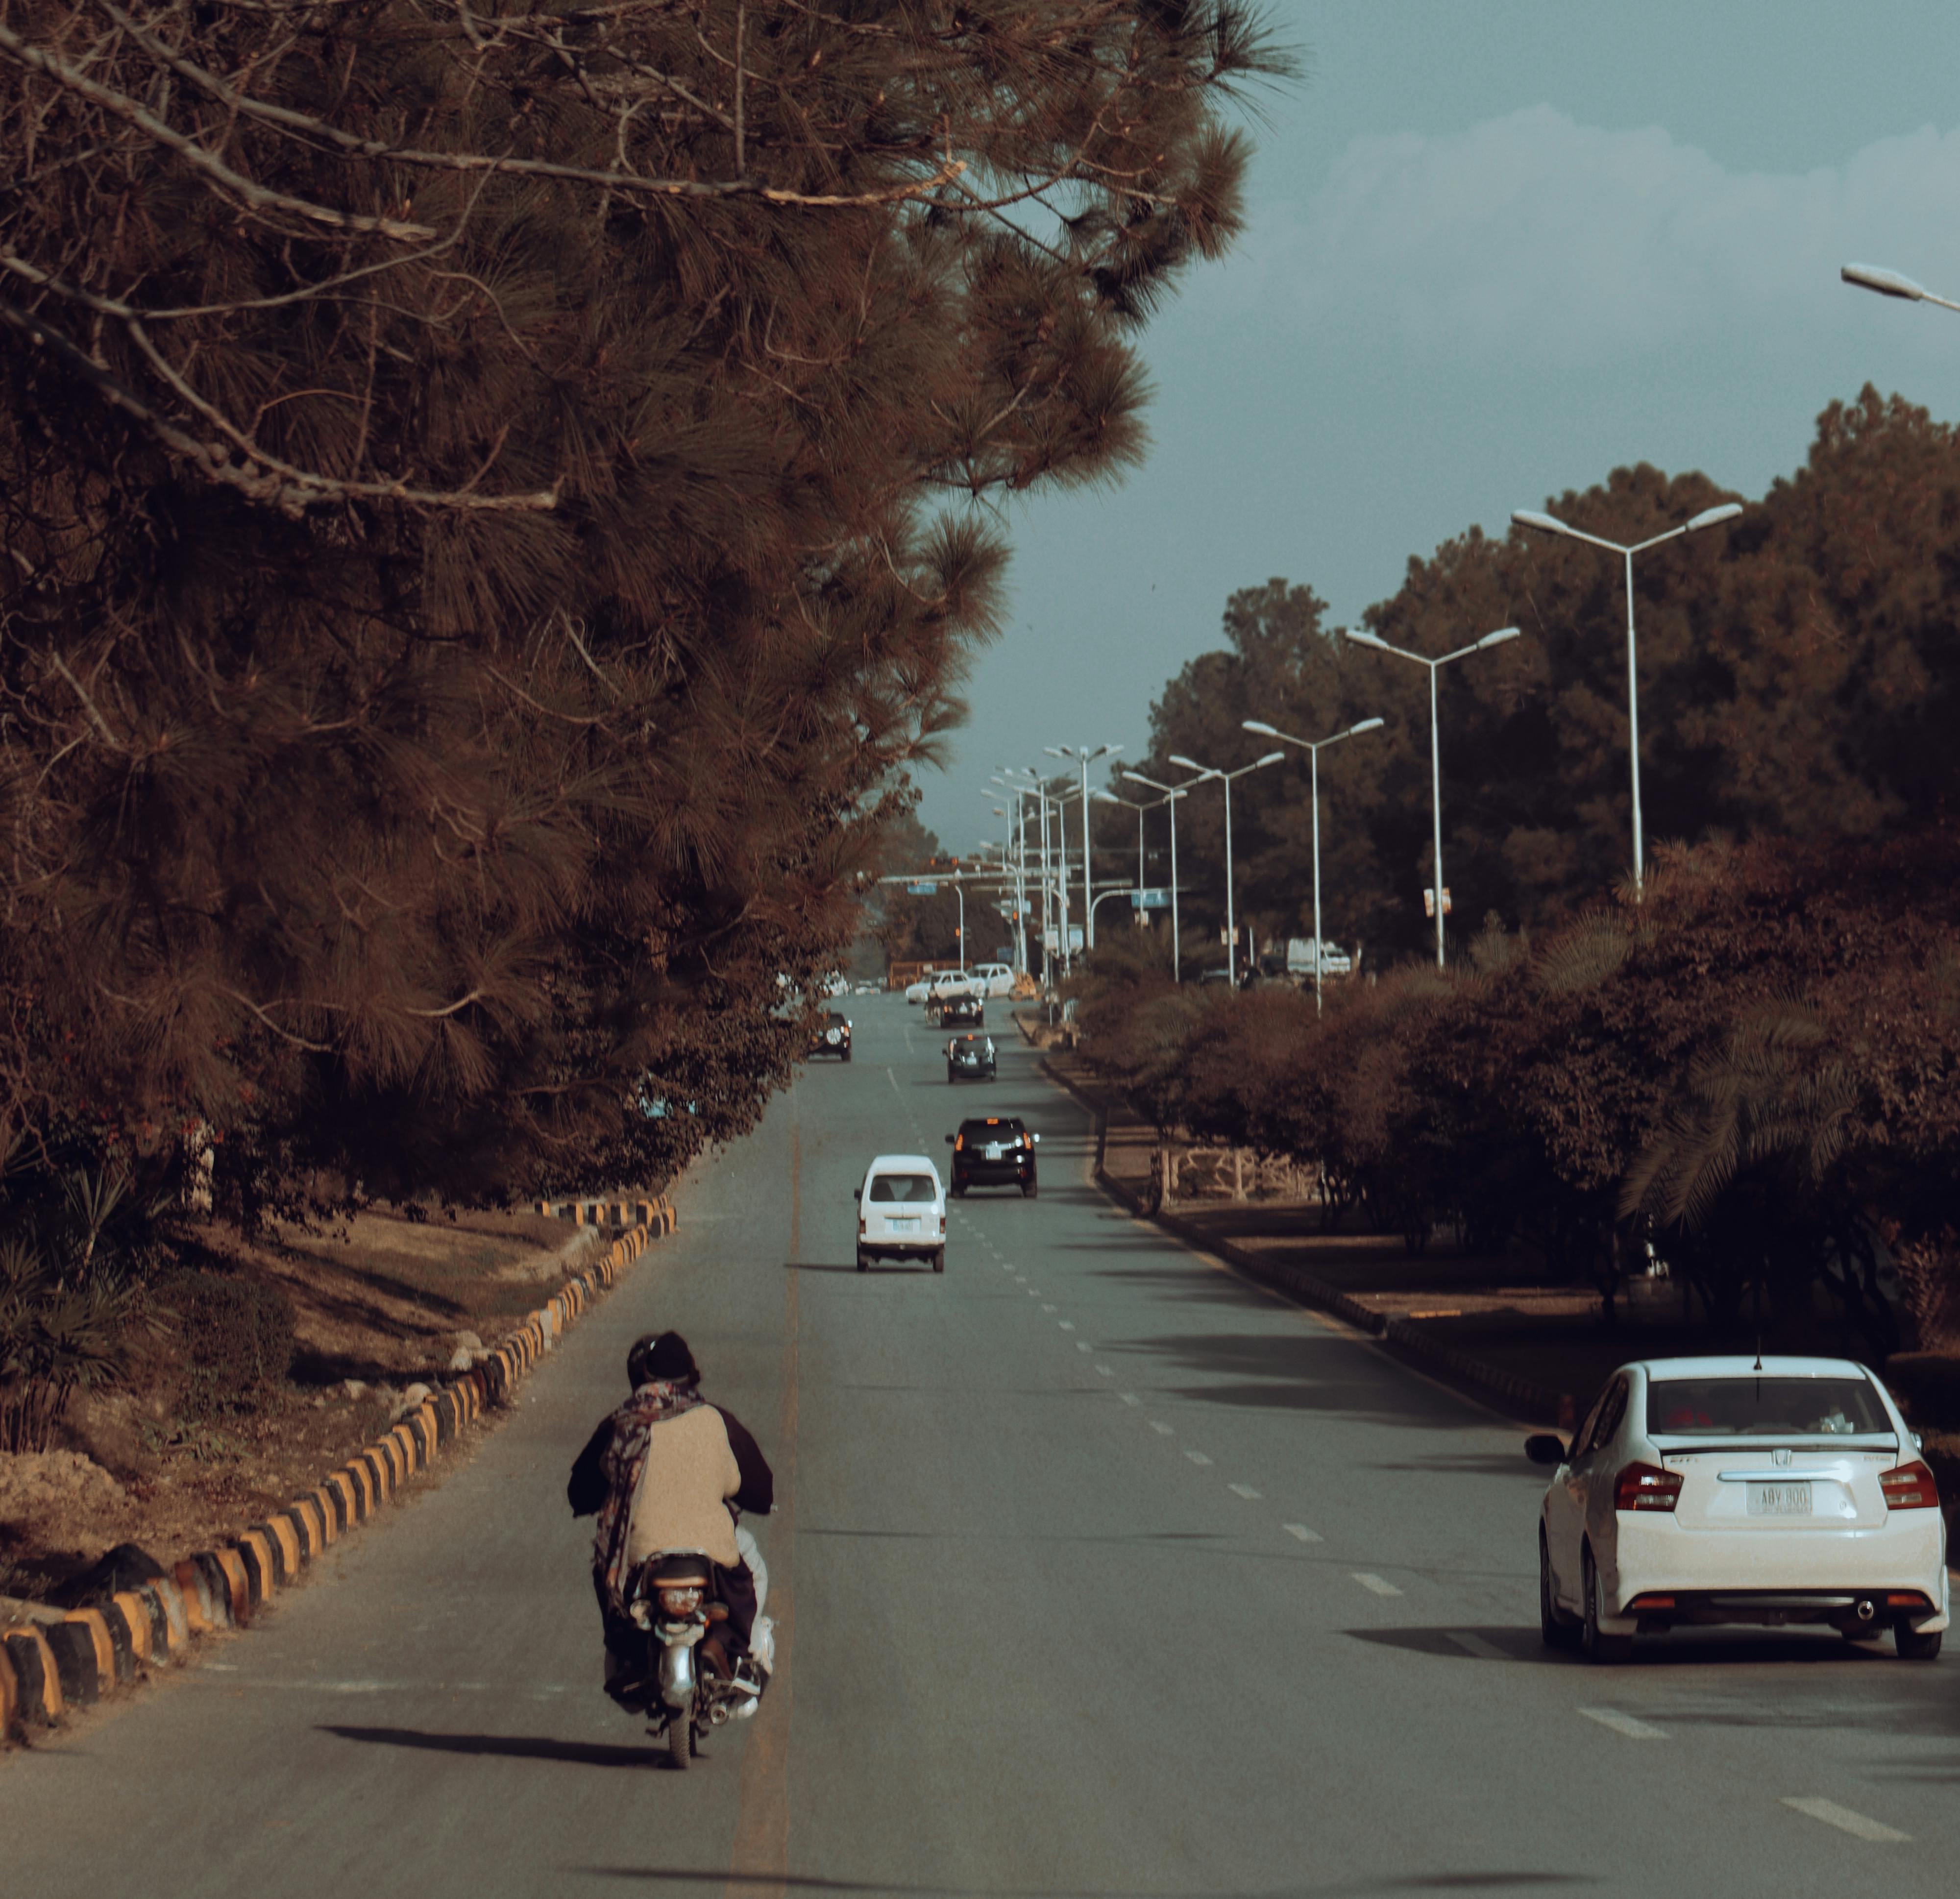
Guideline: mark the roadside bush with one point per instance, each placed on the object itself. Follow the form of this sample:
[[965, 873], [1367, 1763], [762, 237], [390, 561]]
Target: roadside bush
[[235, 1342]]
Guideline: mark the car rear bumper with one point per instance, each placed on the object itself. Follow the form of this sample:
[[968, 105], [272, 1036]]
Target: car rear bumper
[[994, 1173], [1776, 1576]]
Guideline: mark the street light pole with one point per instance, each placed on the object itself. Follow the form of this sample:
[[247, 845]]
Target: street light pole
[[1110, 797], [1312, 747], [1497, 638], [1171, 795], [1891, 283], [1225, 779], [1084, 757], [1548, 524]]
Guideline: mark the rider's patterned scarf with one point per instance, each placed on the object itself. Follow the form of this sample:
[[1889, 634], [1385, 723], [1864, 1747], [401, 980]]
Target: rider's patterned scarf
[[626, 1457]]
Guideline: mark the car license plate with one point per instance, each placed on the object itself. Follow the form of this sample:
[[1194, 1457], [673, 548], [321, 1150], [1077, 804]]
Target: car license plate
[[911, 1226], [1779, 1500], [993, 1150]]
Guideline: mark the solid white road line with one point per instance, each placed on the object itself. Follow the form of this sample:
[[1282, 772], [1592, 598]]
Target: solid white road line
[[1476, 1645], [1623, 1724], [1197, 1457], [1844, 1819], [1301, 1531], [1375, 1583], [1244, 1491], [1162, 1430]]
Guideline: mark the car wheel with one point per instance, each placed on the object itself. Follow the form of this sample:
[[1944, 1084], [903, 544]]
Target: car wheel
[[949, 1078], [1029, 1190], [939, 1266], [863, 1259], [1554, 1623], [1913, 1647], [959, 1190], [847, 1054], [1611, 1651]]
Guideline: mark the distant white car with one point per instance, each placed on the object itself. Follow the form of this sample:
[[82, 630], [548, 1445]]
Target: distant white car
[[1727, 1491], [993, 978], [901, 1207], [937, 987]]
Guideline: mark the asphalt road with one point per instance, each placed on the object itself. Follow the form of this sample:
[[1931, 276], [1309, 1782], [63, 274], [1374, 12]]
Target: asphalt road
[[1099, 1573]]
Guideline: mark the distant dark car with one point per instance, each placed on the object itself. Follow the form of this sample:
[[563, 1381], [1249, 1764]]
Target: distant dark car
[[963, 1012], [997, 1151], [970, 1058], [831, 1036]]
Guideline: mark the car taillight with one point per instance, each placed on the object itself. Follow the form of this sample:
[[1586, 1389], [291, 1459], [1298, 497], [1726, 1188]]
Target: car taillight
[[1910, 1486], [1645, 1486], [860, 1226]]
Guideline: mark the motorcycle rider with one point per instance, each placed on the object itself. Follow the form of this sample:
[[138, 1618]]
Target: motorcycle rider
[[668, 1471]]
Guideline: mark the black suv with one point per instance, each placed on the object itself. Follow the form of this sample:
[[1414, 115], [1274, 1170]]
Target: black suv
[[963, 1012], [970, 1057], [831, 1036], [995, 1151]]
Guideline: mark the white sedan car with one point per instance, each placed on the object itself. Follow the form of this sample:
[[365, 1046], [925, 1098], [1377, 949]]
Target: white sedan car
[[901, 1207], [1735, 1490], [936, 987]]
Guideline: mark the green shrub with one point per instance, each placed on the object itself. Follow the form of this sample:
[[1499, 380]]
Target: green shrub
[[234, 1339]]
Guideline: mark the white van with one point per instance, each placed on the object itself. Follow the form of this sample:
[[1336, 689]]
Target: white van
[[901, 1206]]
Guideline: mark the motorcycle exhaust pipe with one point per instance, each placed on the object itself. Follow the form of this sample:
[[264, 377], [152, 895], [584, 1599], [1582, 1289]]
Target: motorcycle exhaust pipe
[[677, 1676]]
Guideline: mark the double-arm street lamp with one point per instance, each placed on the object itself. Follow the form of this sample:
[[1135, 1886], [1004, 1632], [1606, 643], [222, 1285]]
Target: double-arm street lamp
[[1084, 758], [1546, 524], [1172, 793], [1313, 748], [1225, 779], [1497, 638]]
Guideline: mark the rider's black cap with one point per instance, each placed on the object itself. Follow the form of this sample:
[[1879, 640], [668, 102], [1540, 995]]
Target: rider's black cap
[[663, 1355]]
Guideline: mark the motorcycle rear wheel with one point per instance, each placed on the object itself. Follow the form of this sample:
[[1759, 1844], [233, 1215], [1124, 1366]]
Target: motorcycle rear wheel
[[680, 1741]]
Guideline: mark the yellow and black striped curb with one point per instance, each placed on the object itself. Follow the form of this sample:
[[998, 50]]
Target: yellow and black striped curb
[[656, 1215], [47, 1666]]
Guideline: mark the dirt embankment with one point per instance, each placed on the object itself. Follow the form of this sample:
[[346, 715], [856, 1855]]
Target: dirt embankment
[[191, 1449]]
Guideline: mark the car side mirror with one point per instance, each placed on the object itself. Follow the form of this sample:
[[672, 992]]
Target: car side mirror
[[948, 1140], [1542, 1448]]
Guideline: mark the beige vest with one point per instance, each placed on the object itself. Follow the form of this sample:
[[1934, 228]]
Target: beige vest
[[681, 1502]]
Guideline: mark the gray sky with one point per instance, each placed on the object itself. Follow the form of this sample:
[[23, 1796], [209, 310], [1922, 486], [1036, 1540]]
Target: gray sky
[[1498, 248]]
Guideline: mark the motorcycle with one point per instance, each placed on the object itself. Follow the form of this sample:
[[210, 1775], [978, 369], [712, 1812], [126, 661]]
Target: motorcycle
[[692, 1684]]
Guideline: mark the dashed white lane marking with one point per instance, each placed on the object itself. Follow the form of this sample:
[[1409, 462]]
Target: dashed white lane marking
[[1476, 1645], [1105, 1371], [1626, 1724], [1197, 1457], [1048, 1308], [893, 1080], [1832, 1814], [1062, 1324], [1129, 1398], [1301, 1531], [1375, 1583], [1081, 1344], [1162, 1430], [1244, 1491]]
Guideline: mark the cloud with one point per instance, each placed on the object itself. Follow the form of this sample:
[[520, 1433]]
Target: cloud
[[1532, 235]]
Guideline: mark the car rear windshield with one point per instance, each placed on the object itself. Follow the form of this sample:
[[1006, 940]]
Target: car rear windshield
[[1764, 1407], [888, 1187], [1004, 1129]]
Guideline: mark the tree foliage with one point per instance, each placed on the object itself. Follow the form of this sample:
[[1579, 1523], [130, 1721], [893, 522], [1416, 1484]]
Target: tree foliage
[[490, 502], [1796, 676]]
